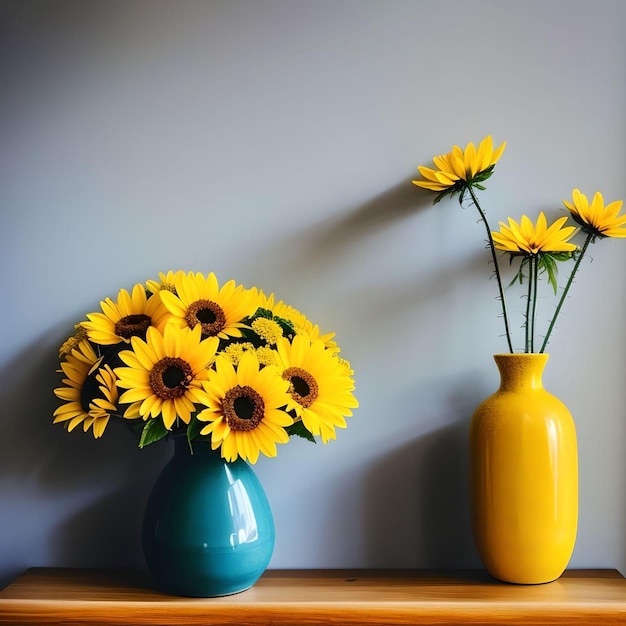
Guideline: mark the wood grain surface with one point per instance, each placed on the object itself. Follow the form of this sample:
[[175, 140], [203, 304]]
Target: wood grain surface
[[313, 597]]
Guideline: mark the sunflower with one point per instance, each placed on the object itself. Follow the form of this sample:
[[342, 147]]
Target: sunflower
[[90, 393], [320, 386], [165, 373], [526, 238], [596, 219], [245, 408], [199, 301], [130, 316], [459, 169]]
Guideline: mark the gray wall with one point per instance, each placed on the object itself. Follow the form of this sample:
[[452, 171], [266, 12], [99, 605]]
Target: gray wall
[[273, 142]]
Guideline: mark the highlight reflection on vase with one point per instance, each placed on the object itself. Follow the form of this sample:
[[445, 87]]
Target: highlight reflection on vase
[[244, 520]]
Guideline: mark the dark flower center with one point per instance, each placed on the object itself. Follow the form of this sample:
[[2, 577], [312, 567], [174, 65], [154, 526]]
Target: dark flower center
[[133, 326], [304, 389], [208, 314], [243, 408], [170, 378]]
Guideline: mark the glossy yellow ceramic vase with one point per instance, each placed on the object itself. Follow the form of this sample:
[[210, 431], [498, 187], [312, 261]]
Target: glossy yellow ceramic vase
[[523, 476]]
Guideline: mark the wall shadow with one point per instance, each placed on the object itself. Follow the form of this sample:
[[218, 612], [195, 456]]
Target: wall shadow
[[42, 464], [319, 248], [416, 499]]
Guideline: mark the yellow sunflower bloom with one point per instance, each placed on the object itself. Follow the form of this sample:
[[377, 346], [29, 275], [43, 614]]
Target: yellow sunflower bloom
[[245, 408], [90, 393], [596, 219], [320, 385], [165, 373], [526, 238], [460, 167], [130, 316], [199, 301]]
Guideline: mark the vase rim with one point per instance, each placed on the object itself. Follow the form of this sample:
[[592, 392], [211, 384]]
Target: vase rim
[[507, 355]]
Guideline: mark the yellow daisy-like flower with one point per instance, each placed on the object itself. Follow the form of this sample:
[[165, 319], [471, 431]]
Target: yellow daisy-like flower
[[90, 393], [234, 351], [268, 330], [73, 342], [245, 409], [267, 355], [130, 316], [166, 282], [301, 324], [165, 374], [199, 301], [459, 167], [320, 386], [595, 218], [526, 238]]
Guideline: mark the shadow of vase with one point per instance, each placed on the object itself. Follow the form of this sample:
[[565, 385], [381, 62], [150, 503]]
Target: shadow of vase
[[416, 504]]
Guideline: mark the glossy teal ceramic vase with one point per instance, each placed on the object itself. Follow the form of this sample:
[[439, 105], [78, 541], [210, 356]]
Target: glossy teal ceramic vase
[[208, 529]]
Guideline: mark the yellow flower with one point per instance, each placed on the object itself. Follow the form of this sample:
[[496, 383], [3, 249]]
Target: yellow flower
[[200, 301], [167, 282], [526, 238], [234, 351], [130, 316], [301, 324], [460, 168], [73, 342], [90, 393], [165, 373], [268, 330], [595, 218], [320, 385], [266, 355], [245, 408]]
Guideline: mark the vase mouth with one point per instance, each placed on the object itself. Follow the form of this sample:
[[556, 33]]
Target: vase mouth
[[509, 355]]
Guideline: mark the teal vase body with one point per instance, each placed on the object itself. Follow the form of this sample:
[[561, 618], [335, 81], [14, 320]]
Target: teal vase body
[[208, 529]]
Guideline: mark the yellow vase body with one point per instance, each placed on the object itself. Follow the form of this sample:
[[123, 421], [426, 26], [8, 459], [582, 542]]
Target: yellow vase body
[[523, 476]]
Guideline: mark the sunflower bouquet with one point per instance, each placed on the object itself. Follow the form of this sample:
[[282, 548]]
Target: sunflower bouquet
[[184, 355], [537, 247]]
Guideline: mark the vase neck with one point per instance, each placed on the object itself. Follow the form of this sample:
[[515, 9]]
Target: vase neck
[[519, 372]]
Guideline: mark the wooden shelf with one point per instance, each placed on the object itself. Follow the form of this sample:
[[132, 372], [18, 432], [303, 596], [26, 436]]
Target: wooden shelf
[[311, 597]]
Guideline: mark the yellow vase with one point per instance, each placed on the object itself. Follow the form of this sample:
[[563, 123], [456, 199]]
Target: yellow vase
[[523, 476]]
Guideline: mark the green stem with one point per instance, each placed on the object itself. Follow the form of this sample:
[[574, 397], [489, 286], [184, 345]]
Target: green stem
[[590, 238], [535, 268], [529, 299], [492, 247]]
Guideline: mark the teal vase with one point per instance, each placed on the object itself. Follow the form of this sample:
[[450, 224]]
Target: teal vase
[[208, 529]]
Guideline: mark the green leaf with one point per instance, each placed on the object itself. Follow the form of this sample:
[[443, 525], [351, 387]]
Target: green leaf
[[562, 256], [261, 312], [483, 176], [547, 263], [519, 276], [194, 428], [299, 430], [153, 431], [286, 325]]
